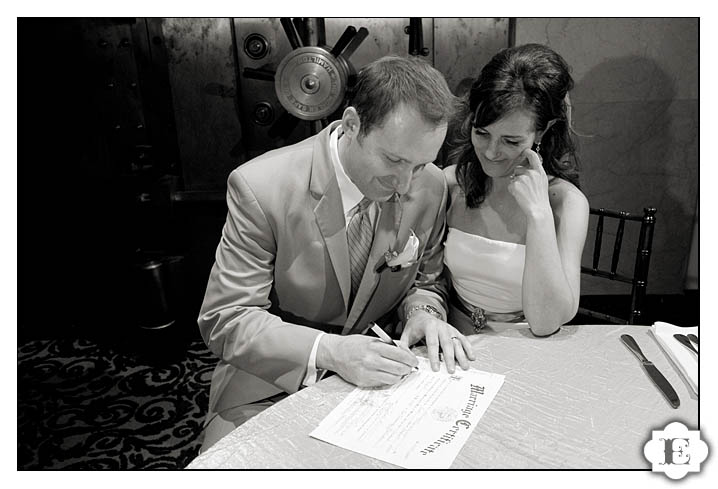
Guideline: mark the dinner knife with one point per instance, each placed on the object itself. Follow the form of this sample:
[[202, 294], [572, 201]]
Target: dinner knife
[[683, 340], [655, 375]]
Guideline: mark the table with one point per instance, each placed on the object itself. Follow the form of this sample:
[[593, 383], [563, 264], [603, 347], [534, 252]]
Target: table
[[576, 400]]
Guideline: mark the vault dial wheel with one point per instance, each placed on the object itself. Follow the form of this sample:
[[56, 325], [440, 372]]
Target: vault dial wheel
[[310, 83]]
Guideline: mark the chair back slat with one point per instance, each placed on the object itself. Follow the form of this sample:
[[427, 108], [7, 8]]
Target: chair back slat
[[617, 245], [597, 243]]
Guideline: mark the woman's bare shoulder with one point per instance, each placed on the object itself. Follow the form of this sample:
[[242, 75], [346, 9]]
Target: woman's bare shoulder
[[564, 195]]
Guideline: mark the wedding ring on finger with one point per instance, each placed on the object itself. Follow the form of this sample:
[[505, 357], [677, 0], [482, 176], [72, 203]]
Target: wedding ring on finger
[[441, 354]]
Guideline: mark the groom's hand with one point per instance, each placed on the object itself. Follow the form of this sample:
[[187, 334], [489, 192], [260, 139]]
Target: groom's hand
[[363, 360]]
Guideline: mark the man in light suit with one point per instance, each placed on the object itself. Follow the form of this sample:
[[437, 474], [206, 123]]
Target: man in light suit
[[282, 305]]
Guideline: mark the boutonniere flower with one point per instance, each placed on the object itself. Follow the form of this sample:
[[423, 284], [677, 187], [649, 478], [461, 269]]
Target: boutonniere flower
[[396, 260]]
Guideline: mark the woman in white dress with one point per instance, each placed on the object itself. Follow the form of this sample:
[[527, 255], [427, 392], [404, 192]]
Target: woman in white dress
[[517, 220]]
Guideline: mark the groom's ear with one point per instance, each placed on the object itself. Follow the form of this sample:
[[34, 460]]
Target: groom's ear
[[350, 122]]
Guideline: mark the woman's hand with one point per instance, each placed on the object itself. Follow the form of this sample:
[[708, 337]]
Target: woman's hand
[[438, 334], [529, 186]]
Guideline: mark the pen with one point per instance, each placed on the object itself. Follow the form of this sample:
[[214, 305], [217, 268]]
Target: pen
[[382, 334], [386, 338]]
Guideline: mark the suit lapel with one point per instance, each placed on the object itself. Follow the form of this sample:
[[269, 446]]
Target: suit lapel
[[329, 212], [330, 219]]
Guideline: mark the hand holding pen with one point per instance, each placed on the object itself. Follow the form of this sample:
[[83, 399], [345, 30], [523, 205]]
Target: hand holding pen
[[387, 339], [363, 361]]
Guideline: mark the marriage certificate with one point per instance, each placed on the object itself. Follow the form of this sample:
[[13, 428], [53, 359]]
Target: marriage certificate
[[420, 422]]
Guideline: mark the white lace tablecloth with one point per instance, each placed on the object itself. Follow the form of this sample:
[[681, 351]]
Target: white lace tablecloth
[[576, 400]]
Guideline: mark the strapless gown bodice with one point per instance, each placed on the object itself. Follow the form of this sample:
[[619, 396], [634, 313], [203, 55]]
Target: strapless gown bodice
[[486, 273]]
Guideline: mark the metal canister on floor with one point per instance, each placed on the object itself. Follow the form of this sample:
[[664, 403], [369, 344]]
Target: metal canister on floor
[[158, 292]]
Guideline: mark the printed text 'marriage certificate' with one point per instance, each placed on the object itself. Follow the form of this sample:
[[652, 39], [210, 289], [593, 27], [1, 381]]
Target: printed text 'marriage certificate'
[[421, 422]]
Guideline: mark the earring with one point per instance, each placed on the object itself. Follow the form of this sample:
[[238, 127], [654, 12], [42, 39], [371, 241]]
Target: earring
[[537, 150]]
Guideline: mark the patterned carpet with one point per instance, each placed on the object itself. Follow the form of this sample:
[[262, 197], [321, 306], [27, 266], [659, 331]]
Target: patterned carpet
[[85, 406]]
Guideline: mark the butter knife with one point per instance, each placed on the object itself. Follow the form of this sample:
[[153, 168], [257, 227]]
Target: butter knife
[[655, 375]]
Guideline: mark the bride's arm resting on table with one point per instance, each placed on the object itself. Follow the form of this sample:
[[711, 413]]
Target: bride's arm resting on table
[[557, 220]]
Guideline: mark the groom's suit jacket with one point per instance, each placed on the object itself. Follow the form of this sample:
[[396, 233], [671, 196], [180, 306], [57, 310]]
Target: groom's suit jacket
[[281, 272]]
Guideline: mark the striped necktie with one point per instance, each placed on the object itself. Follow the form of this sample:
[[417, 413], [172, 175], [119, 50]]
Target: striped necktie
[[360, 234]]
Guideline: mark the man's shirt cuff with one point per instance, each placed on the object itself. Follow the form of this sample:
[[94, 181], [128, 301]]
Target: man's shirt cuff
[[311, 377]]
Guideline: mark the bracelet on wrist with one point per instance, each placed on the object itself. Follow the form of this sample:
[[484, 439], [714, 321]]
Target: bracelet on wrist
[[423, 307]]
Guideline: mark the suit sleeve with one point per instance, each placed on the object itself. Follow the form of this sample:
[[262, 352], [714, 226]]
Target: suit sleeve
[[234, 321], [430, 284]]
